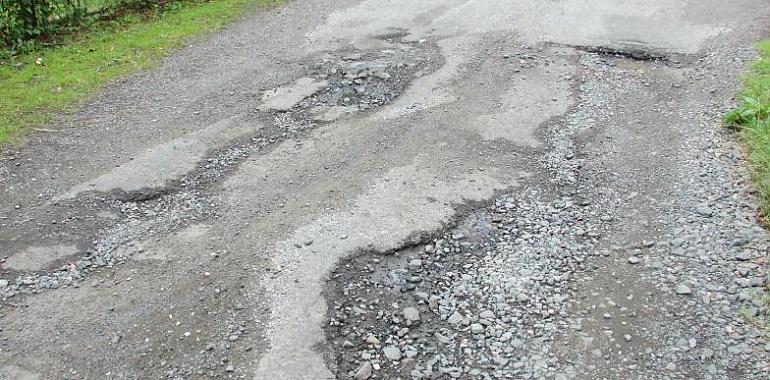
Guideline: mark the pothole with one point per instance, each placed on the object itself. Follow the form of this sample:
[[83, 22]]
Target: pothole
[[355, 82], [635, 52], [483, 300]]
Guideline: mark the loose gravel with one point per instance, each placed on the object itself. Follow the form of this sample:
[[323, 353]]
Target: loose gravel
[[511, 291], [358, 81]]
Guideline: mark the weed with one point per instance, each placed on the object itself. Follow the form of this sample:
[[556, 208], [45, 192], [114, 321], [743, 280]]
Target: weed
[[752, 121]]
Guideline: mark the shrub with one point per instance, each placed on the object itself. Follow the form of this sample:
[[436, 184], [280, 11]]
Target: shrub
[[28, 21]]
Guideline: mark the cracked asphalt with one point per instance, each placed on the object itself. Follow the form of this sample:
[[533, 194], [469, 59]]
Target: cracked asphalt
[[356, 189]]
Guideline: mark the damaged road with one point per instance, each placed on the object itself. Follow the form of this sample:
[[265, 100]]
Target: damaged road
[[367, 189]]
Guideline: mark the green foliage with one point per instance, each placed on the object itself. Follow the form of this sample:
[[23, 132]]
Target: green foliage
[[751, 112], [38, 86], [752, 120], [26, 24], [22, 21]]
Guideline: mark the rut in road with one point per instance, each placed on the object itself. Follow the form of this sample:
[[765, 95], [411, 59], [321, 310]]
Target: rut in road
[[365, 189]]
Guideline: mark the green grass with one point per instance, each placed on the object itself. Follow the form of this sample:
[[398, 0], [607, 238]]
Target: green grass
[[33, 94], [752, 121]]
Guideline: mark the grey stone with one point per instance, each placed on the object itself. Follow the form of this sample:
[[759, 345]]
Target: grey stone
[[683, 289], [364, 371], [411, 314], [441, 338], [392, 353], [455, 318], [486, 314]]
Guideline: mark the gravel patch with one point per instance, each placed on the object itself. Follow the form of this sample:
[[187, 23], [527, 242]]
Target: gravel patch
[[554, 281]]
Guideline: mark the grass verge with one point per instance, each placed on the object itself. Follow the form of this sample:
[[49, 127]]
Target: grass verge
[[752, 121], [35, 87]]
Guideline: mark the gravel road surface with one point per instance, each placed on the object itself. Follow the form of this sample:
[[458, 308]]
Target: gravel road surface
[[401, 189]]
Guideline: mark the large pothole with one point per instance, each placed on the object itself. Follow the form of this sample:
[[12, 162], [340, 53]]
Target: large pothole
[[354, 82]]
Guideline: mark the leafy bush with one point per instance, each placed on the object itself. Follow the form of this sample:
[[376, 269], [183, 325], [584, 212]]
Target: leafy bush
[[28, 21]]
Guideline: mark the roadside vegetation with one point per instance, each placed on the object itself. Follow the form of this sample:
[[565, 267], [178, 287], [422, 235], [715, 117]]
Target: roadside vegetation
[[752, 121], [47, 70]]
